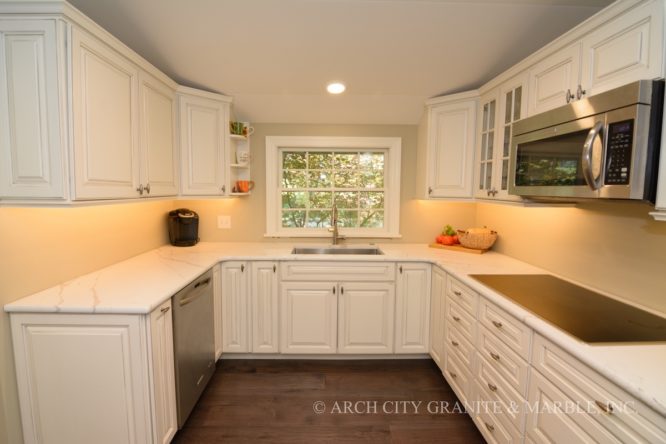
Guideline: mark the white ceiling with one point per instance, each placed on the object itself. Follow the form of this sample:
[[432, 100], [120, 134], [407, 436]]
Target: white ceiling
[[276, 56]]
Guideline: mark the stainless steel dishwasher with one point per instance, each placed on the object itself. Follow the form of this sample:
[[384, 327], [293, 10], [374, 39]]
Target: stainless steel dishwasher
[[194, 346]]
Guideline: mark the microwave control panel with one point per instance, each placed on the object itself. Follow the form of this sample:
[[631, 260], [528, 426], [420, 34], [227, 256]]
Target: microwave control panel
[[618, 152]]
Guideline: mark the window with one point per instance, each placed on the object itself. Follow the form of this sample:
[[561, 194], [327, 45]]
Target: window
[[307, 176]]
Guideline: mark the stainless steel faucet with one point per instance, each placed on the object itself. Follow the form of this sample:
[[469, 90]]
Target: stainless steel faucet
[[334, 228]]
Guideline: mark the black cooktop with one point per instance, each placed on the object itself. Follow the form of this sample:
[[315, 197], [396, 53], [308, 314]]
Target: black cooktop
[[589, 316]]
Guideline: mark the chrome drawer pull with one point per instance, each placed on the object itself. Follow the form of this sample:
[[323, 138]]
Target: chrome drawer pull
[[456, 318], [490, 427], [497, 324], [457, 293], [165, 309], [453, 375], [606, 408], [495, 356], [454, 343], [493, 388]]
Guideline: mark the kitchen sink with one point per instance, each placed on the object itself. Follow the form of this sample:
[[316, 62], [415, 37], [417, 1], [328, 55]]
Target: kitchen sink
[[336, 250]]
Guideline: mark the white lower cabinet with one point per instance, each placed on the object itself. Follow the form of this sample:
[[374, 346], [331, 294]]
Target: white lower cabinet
[[308, 317], [234, 276], [264, 300], [217, 311], [95, 377], [412, 322], [365, 317], [437, 316]]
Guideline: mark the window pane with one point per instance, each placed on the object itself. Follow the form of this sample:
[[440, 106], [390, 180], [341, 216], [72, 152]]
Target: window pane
[[372, 161], [294, 199], [345, 161], [507, 108], [489, 175], [320, 161], [319, 179], [346, 179], [348, 218], [484, 122], [371, 219], [517, 97], [372, 199], [491, 141], [484, 145], [505, 174], [346, 199], [372, 179], [293, 219], [319, 219], [321, 199], [482, 168], [491, 115], [293, 179], [293, 161]]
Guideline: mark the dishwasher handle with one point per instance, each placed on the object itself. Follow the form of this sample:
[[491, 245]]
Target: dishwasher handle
[[192, 295]]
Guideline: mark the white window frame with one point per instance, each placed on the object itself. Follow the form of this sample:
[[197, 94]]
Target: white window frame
[[392, 147]]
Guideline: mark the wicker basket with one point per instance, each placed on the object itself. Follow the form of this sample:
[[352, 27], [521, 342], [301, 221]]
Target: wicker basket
[[477, 238]]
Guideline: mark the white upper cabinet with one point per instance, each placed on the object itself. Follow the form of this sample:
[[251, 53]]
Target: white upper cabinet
[[32, 164], [625, 49], [106, 124], [500, 108], [448, 154], [554, 81], [159, 157], [204, 120]]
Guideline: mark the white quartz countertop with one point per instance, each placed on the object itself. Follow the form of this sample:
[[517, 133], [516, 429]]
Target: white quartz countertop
[[140, 284]]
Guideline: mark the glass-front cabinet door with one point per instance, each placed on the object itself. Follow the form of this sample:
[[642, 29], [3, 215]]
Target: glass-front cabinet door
[[486, 149], [513, 107]]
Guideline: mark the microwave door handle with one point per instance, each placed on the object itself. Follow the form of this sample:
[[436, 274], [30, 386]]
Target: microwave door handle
[[587, 157]]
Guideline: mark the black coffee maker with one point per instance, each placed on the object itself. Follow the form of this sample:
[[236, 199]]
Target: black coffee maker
[[183, 227]]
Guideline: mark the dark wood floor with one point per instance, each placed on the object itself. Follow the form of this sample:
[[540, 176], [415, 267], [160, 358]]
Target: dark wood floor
[[275, 401]]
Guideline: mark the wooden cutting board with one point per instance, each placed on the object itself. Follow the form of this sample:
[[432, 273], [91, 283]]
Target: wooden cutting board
[[458, 248]]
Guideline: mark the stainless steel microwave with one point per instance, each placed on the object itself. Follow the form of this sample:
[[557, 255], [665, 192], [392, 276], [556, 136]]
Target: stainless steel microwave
[[606, 146]]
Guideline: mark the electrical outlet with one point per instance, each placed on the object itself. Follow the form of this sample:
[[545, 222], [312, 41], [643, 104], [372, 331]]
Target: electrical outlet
[[223, 222]]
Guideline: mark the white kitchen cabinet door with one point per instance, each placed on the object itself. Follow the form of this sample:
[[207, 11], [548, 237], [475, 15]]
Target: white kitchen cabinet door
[[412, 320], [203, 145], [450, 147], [265, 299], [235, 307], [165, 423], [554, 80], [365, 317], [626, 49], [217, 310], [437, 316], [106, 121], [308, 317], [32, 146], [159, 158], [485, 170], [83, 378]]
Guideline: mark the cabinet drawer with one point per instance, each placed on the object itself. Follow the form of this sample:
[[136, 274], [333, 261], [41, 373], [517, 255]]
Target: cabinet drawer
[[337, 271], [507, 328], [458, 377], [460, 320], [462, 294], [504, 360], [629, 420], [456, 343], [497, 390], [495, 428]]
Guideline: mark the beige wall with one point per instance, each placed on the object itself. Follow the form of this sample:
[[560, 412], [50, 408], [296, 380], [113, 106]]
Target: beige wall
[[42, 247], [613, 246], [420, 221]]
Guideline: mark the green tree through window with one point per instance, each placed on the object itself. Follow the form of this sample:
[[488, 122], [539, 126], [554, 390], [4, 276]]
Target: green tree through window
[[313, 180]]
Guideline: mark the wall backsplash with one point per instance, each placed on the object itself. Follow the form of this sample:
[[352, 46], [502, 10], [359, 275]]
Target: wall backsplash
[[613, 246]]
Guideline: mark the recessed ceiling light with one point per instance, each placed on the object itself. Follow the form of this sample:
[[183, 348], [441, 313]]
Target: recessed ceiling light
[[336, 87]]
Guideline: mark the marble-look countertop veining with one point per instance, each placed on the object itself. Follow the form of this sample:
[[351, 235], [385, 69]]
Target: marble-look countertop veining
[[140, 284]]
